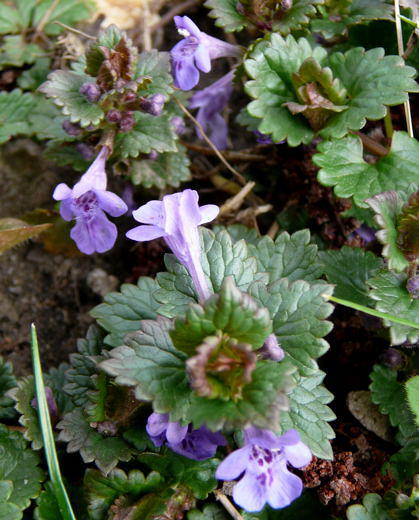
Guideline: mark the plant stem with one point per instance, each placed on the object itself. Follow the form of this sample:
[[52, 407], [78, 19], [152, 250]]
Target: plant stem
[[388, 125], [372, 312], [227, 505], [372, 146]]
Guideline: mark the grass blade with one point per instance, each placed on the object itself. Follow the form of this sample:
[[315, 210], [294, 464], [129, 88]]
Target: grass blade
[[47, 435]]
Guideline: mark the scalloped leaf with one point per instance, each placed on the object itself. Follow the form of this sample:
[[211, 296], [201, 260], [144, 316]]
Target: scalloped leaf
[[156, 65], [349, 269], [209, 512], [16, 52], [412, 392], [226, 15], [63, 88], [371, 80], [390, 396], [298, 15], [105, 451], [389, 291], [123, 311], [14, 231], [7, 382], [371, 509], [149, 133], [338, 15], [19, 465], [151, 363], [168, 169], [15, 108], [342, 166], [404, 464]]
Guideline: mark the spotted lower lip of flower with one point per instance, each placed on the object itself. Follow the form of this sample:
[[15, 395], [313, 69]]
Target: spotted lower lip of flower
[[262, 462], [197, 444], [87, 202], [176, 218], [195, 52]]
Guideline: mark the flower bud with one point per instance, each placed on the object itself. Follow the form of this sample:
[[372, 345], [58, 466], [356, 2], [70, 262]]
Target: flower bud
[[70, 128], [127, 122], [154, 104], [114, 116], [178, 125], [91, 92], [152, 156], [413, 287], [130, 97], [392, 358]]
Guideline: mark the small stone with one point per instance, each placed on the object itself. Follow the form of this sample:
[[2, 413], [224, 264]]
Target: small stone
[[100, 282], [362, 408]]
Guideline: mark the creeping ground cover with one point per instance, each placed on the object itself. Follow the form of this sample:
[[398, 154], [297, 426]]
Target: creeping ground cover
[[209, 236]]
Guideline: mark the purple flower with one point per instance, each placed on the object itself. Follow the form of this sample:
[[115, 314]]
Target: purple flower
[[176, 218], [52, 405], [365, 232], [154, 104], [211, 101], [271, 349], [87, 202], [412, 286], [195, 52], [91, 92], [262, 462], [198, 444]]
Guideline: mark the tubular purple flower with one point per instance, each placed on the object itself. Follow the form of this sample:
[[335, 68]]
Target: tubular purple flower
[[195, 52], [198, 444], [271, 349], [87, 202], [211, 101], [176, 218], [263, 462]]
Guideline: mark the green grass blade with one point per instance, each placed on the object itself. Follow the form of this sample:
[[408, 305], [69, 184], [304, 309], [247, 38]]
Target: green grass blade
[[47, 435], [372, 312]]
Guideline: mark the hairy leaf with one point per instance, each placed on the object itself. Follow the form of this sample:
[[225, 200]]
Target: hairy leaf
[[14, 110], [349, 269], [389, 291], [412, 391], [16, 52], [122, 312], [226, 14], [8, 510], [405, 463], [155, 65], [390, 396], [342, 166], [296, 16], [168, 169]]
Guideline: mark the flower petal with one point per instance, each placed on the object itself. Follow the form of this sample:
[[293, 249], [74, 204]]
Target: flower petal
[[111, 203], [298, 455], [185, 23], [145, 233], [157, 423], [234, 464], [263, 438], [81, 236], [285, 487], [66, 209], [175, 433], [185, 72], [219, 131], [208, 213], [103, 232], [150, 213], [61, 192], [249, 493], [202, 58]]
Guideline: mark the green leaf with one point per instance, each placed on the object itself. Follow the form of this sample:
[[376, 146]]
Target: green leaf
[[389, 291], [32, 78], [15, 108], [371, 81], [7, 382], [14, 231], [388, 207], [63, 87], [289, 256], [230, 312], [209, 512], [156, 65], [16, 52], [342, 166], [371, 509], [106, 452], [390, 396], [168, 169], [296, 16], [226, 15], [45, 121], [338, 15], [405, 463], [56, 379], [262, 400], [149, 361], [299, 311], [240, 232], [122, 312], [9, 19], [349, 269], [69, 12], [47, 506], [412, 391], [149, 133], [309, 414], [199, 476], [19, 465], [103, 491], [8, 510]]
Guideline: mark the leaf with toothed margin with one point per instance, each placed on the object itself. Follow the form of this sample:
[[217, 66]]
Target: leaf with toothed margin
[[299, 311], [63, 86], [342, 165], [371, 508], [105, 451], [7, 382], [209, 512], [226, 14], [15, 107], [149, 362], [155, 65], [388, 289]]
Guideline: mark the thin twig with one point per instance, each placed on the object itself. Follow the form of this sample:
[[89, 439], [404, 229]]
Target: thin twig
[[176, 10], [239, 176], [75, 31], [407, 111], [227, 505], [44, 20], [235, 202], [147, 43], [233, 156], [273, 230], [372, 146]]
